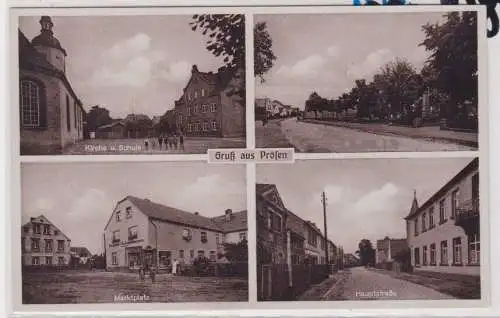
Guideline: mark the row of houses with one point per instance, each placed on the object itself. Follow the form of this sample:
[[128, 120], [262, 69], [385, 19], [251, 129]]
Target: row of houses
[[274, 108], [285, 238], [138, 229], [442, 234]]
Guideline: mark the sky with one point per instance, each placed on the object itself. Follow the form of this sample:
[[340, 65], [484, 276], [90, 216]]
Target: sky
[[326, 53], [367, 198], [128, 64], [80, 203]]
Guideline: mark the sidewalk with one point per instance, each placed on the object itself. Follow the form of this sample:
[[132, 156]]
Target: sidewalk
[[329, 289], [429, 133], [459, 286], [270, 135]]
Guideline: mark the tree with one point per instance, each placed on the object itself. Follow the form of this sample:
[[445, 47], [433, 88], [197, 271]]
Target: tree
[[401, 84], [263, 50], [227, 36], [236, 252], [316, 103], [98, 116], [453, 48], [366, 252]]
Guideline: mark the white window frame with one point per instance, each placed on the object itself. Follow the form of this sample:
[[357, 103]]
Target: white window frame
[[114, 258], [214, 125], [457, 251], [443, 253], [474, 248], [30, 105], [205, 126], [213, 107]]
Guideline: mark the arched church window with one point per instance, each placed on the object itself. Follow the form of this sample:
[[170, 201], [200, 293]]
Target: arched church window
[[31, 103]]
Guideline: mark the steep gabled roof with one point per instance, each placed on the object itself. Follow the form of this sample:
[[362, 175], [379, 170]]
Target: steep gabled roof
[[42, 219], [237, 222], [169, 214]]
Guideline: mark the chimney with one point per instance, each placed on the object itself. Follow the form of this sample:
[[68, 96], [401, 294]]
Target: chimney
[[229, 213], [32, 219], [194, 69], [196, 213]]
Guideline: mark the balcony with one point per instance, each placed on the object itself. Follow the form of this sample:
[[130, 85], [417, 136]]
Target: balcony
[[467, 216]]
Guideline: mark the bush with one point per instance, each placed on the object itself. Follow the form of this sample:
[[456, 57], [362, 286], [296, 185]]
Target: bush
[[201, 266]]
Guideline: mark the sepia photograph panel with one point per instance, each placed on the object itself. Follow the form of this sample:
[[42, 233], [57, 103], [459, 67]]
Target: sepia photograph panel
[[159, 84], [359, 82], [133, 233], [368, 229]]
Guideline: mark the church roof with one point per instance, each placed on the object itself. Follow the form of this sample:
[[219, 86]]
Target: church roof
[[46, 36]]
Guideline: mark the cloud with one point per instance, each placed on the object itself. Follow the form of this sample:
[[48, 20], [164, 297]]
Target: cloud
[[136, 73], [310, 66], [213, 188], [333, 51], [377, 201], [43, 205], [176, 72], [129, 63], [128, 48], [373, 61], [92, 203]]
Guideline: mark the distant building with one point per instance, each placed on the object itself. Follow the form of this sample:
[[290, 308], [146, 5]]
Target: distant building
[[443, 233], [51, 114], [82, 254], [211, 106], [116, 130], [387, 248], [139, 226], [350, 260], [43, 244]]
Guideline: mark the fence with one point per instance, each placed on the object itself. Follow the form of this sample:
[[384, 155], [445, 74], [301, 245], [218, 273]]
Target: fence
[[216, 270], [273, 280]]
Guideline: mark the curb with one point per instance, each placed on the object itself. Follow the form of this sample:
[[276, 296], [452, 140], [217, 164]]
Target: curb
[[333, 288], [473, 144]]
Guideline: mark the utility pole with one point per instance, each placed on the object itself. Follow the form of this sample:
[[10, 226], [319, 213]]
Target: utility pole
[[323, 200]]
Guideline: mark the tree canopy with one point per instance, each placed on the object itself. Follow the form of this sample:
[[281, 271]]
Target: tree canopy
[[366, 252], [263, 53], [98, 116]]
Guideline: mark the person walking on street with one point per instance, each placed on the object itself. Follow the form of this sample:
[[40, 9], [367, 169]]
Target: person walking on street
[[175, 141], [160, 140], [174, 267], [146, 143], [181, 140], [165, 141]]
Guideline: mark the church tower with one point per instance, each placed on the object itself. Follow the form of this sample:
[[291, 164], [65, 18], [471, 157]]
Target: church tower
[[48, 45]]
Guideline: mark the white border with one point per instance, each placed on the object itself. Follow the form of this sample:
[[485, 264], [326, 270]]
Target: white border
[[234, 308]]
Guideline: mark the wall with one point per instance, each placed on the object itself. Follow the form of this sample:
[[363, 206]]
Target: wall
[[273, 242], [441, 232], [233, 237], [74, 133], [138, 219], [170, 238], [43, 140], [54, 56]]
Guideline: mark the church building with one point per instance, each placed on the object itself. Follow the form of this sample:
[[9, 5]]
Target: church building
[[51, 114]]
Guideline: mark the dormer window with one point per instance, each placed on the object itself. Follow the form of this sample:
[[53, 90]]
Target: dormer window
[[202, 92], [36, 228], [118, 216], [128, 212], [195, 94], [204, 237]]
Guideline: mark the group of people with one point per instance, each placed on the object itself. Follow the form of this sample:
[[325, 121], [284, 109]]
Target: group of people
[[172, 141]]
